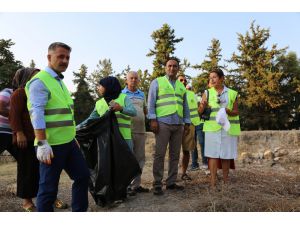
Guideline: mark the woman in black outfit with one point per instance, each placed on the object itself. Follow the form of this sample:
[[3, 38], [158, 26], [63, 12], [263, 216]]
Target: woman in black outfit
[[23, 140]]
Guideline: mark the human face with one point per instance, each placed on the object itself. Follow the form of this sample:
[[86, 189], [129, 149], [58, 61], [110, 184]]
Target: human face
[[182, 80], [132, 80], [101, 90], [58, 59], [215, 81], [172, 68]]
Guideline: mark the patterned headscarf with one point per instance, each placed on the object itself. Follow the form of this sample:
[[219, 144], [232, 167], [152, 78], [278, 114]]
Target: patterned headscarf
[[112, 88], [22, 76]]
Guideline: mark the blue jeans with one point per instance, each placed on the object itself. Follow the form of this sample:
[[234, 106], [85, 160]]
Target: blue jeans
[[200, 136], [68, 157]]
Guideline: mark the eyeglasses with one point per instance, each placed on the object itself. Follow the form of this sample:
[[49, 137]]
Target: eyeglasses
[[182, 80], [219, 99]]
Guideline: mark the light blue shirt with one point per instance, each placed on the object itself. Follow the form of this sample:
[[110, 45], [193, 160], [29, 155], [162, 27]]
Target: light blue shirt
[[137, 94], [170, 119], [39, 96]]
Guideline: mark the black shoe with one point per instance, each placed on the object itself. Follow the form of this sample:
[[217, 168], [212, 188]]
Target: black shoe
[[141, 189], [175, 187], [158, 191], [131, 192], [186, 177], [193, 168]]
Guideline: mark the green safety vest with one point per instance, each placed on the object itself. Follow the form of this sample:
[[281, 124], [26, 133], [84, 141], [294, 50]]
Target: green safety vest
[[59, 115], [124, 121], [211, 125], [193, 106], [101, 107], [169, 101]]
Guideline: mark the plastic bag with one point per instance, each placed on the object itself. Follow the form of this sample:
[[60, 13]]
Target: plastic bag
[[111, 163]]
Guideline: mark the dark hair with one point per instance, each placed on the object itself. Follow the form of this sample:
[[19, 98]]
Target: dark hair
[[54, 45], [172, 58], [112, 88], [22, 76], [218, 71]]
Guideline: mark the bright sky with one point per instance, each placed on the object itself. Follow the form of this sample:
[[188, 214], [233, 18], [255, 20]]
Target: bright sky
[[125, 38]]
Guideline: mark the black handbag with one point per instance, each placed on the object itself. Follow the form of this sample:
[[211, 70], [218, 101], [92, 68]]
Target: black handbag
[[205, 115]]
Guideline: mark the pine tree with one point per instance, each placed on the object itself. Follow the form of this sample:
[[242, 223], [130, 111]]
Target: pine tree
[[182, 69], [83, 101], [8, 64], [213, 59], [164, 48], [104, 69], [257, 78], [145, 80], [122, 76], [289, 112]]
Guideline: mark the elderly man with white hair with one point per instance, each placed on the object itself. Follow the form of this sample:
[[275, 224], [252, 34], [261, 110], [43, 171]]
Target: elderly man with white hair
[[138, 129]]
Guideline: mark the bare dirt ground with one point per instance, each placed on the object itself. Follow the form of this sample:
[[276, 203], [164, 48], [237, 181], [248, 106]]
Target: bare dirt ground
[[259, 186]]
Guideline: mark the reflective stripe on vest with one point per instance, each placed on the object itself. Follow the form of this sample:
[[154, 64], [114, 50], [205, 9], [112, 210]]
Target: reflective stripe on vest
[[169, 101], [59, 115], [124, 121], [211, 124], [193, 106]]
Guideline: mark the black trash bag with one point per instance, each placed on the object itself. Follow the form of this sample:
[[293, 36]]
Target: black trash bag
[[111, 163]]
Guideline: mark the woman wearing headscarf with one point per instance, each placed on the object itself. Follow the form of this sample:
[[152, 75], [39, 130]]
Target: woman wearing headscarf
[[23, 138], [220, 134], [109, 89]]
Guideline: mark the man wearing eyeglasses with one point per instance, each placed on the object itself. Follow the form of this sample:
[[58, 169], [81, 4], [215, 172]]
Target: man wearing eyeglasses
[[188, 139], [168, 111]]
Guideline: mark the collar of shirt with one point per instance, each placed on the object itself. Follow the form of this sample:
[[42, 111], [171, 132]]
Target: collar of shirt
[[126, 90], [54, 74], [172, 82], [224, 90]]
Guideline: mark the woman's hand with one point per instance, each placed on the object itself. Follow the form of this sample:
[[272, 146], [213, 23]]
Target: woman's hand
[[21, 140], [116, 107], [202, 106]]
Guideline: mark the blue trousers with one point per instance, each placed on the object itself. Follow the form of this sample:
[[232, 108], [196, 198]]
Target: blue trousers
[[200, 136], [68, 157]]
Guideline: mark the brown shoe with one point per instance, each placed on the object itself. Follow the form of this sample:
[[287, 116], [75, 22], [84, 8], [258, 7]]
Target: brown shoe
[[59, 204]]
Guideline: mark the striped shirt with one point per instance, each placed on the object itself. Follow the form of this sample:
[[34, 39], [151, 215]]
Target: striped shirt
[[5, 100]]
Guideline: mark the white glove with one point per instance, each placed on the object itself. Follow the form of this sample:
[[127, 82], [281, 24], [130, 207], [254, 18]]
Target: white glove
[[44, 152]]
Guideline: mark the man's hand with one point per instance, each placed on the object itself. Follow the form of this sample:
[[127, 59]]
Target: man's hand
[[44, 152], [154, 126], [115, 106]]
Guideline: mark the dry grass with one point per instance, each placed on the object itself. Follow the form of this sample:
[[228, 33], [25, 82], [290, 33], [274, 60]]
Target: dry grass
[[257, 187]]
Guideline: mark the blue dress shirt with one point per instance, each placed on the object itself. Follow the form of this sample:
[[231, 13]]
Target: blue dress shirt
[[169, 119]]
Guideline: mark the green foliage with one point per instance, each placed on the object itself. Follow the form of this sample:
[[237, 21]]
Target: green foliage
[[289, 112], [122, 76], [183, 67], [104, 69], [83, 101], [145, 80], [164, 47], [8, 64], [212, 61], [257, 78]]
